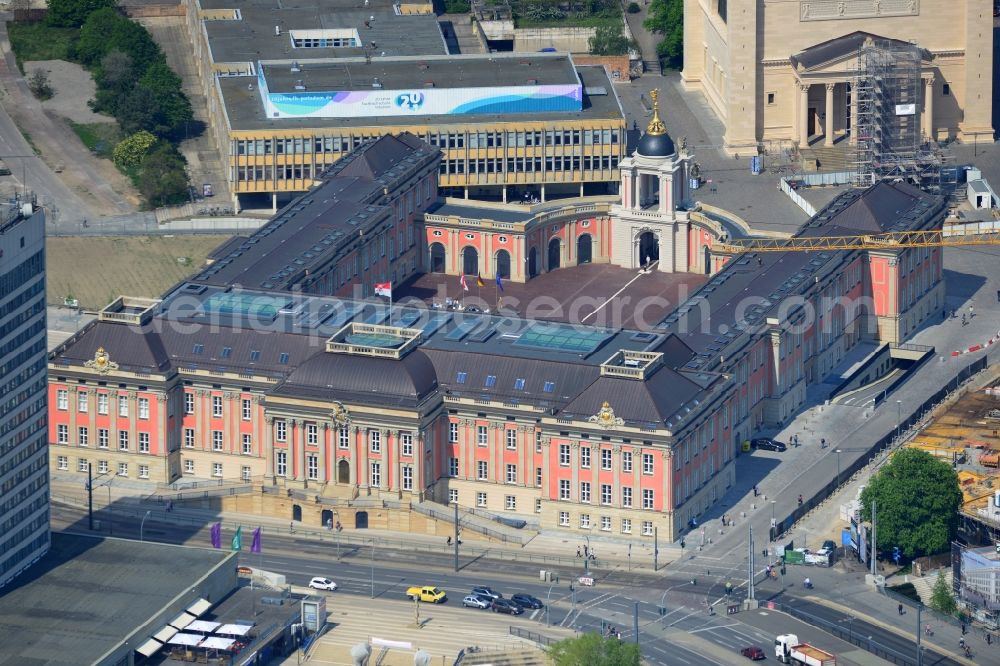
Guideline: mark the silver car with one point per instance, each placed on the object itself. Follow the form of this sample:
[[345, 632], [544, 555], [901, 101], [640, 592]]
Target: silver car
[[476, 601]]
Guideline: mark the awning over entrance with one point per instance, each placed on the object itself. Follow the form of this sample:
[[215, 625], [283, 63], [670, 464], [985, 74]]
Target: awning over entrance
[[182, 620], [165, 634], [199, 607], [148, 648]]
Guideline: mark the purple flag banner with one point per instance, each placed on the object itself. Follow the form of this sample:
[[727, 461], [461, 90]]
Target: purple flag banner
[[217, 535], [255, 544]]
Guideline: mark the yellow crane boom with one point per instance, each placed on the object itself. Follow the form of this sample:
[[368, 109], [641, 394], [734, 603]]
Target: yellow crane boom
[[891, 240]]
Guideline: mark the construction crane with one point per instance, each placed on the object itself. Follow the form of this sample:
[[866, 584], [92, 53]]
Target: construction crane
[[886, 241]]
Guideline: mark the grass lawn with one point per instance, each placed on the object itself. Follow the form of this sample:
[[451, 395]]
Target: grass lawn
[[100, 138], [37, 41], [98, 270]]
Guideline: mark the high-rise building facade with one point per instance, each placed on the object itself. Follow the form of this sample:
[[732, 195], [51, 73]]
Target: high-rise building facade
[[24, 472]]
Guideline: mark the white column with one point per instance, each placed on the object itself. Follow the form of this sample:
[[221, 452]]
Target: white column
[[666, 238], [274, 202], [803, 115], [681, 248], [828, 131], [928, 119]]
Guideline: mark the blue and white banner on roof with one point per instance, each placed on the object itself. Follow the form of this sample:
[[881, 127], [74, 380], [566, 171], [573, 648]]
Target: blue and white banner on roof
[[424, 102]]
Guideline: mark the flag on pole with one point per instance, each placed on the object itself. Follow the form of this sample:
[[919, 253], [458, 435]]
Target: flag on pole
[[238, 539], [499, 282], [479, 281], [383, 289], [217, 535], [255, 544], [465, 285]]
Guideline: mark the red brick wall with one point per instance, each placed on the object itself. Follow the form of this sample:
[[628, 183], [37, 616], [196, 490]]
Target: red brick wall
[[613, 64]]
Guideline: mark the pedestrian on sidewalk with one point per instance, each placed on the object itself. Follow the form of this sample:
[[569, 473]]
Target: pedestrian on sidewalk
[[900, 609], [291, 527], [989, 638], [800, 500], [755, 491], [963, 630], [586, 550], [822, 442], [578, 552]]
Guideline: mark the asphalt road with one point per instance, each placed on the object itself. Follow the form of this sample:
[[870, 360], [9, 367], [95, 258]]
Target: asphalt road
[[666, 637]]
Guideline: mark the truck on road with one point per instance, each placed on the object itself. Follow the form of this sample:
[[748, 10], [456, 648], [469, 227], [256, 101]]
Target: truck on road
[[788, 650]]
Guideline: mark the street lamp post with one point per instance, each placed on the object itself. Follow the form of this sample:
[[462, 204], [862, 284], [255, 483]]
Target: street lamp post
[[586, 558], [773, 522], [838, 468], [899, 416], [373, 568], [143, 524]]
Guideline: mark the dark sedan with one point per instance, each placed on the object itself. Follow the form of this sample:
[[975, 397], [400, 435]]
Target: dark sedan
[[527, 601], [768, 444], [753, 653], [506, 606]]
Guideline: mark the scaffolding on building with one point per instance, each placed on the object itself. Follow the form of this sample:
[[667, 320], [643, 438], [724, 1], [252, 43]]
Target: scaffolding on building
[[887, 120]]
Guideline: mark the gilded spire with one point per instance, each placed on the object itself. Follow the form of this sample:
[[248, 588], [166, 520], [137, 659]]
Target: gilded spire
[[655, 126]]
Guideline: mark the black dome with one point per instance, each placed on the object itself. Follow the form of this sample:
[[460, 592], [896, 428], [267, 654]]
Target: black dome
[[656, 145]]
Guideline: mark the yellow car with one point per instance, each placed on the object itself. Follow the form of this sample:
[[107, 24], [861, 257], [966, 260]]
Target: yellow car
[[427, 594]]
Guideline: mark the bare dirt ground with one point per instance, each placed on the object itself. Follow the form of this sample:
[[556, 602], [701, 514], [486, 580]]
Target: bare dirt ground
[[73, 88], [135, 266]]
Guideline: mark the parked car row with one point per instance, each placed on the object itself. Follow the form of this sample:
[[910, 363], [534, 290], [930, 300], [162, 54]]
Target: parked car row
[[485, 598]]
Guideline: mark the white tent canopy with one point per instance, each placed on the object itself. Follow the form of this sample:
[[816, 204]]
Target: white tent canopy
[[217, 643], [186, 639], [234, 629], [202, 625]]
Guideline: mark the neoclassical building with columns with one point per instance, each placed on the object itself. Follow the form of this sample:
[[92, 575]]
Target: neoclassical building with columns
[[785, 71]]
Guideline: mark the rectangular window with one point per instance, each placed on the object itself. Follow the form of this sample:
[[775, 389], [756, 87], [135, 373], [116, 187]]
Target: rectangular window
[[626, 525], [538, 477], [626, 461], [189, 467], [406, 443], [189, 403], [216, 440], [647, 528], [82, 465], [102, 403], [481, 500], [770, 98], [511, 473], [81, 402], [605, 458], [102, 438], [585, 491], [482, 470], [585, 457], [247, 444], [62, 434], [375, 441], [188, 438], [312, 434], [510, 502], [280, 431], [246, 410], [407, 478], [281, 463], [343, 438], [312, 466], [538, 505], [102, 467], [564, 455], [143, 442], [647, 498], [564, 518], [481, 436], [143, 408], [452, 496], [511, 439], [647, 463], [123, 440], [452, 466], [605, 493], [605, 523], [63, 462], [627, 497], [83, 436], [62, 399], [216, 405], [585, 521], [122, 469], [376, 474], [564, 489], [452, 433], [216, 469], [123, 405], [245, 473], [143, 471]]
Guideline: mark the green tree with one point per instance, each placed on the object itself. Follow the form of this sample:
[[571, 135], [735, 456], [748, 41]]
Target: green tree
[[131, 150], [95, 35], [137, 110], [164, 177], [72, 13], [592, 650], [116, 72], [610, 40], [666, 17], [918, 500], [165, 87], [942, 599], [39, 85]]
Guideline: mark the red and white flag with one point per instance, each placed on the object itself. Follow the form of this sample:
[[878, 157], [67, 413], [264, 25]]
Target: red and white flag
[[465, 287], [383, 289]]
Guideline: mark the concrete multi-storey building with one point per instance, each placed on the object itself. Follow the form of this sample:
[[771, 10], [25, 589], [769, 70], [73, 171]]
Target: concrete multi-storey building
[[24, 472], [784, 71], [289, 95]]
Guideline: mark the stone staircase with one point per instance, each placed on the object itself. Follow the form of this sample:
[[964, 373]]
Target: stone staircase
[[652, 66], [459, 34], [924, 585], [839, 157], [518, 657]]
